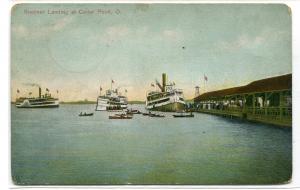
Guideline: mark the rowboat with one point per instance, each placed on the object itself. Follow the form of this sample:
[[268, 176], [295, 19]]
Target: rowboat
[[131, 111], [184, 115], [155, 115], [85, 114], [120, 116]]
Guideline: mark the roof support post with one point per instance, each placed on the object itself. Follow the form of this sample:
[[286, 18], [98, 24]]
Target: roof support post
[[253, 104], [244, 104], [265, 103], [280, 105]]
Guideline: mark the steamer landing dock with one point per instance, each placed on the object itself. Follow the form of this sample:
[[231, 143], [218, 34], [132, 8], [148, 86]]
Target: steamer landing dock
[[268, 101]]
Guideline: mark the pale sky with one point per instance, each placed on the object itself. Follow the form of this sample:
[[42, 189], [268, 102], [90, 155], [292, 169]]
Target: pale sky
[[134, 44]]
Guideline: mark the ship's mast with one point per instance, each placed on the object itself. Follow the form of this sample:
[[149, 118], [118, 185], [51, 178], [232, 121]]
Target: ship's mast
[[160, 87]]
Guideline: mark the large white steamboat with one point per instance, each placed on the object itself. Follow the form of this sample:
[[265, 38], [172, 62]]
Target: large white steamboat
[[168, 99], [111, 101], [43, 101]]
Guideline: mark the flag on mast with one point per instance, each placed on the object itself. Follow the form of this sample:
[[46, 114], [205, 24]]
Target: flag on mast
[[100, 90], [112, 81]]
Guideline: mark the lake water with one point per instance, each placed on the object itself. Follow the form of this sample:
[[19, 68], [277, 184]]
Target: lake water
[[55, 146]]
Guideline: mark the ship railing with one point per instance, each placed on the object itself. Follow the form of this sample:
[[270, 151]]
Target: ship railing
[[275, 113], [178, 90], [271, 113]]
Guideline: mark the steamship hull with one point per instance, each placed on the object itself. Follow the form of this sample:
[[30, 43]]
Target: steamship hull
[[40, 104], [168, 103], [169, 107]]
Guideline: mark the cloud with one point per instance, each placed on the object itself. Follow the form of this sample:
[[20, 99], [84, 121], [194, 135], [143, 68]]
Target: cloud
[[172, 35], [114, 33], [62, 23], [240, 42], [117, 31], [31, 84], [245, 41], [22, 31], [142, 31]]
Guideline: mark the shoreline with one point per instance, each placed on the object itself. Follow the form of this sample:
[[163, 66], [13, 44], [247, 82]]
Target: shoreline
[[92, 102]]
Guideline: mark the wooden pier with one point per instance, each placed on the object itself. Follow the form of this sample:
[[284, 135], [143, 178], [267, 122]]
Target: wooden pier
[[267, 101]]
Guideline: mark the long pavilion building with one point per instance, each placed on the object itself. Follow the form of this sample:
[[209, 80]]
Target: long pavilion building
[[267, 100]]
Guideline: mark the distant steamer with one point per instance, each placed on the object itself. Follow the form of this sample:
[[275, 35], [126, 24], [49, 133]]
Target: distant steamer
[[112, 100], [43, 101], [168, 99]]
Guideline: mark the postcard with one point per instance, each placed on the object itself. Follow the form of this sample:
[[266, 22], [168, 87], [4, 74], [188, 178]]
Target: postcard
[[151, 94]]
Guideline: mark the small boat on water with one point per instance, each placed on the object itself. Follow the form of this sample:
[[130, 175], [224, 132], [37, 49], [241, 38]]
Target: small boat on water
[[146, 114], [85, 114], [120, 116], [155, 115], [150, 114], [115, 110], [182, 114], [132, 111]]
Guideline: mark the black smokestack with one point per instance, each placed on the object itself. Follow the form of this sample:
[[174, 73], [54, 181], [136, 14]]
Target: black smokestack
[[164, 81], [40, 92]]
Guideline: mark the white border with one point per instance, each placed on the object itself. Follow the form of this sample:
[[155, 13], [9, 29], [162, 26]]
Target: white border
[[5, 180], [4, 106]]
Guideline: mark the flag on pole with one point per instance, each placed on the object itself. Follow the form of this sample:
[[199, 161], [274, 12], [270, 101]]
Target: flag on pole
[[112, 81], [18, 91], [205, 78]]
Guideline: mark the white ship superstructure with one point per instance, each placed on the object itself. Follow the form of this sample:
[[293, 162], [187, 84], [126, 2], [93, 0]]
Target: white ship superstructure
[[167, 99], [111, 101]]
